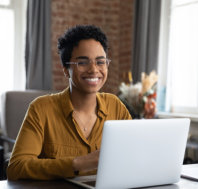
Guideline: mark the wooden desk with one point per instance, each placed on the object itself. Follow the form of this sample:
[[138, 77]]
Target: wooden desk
[[60, 184], [183, 184], [27, 184]]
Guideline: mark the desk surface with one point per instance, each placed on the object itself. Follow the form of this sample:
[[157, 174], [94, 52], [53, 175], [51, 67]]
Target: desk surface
[[183, 184], [59, 184]]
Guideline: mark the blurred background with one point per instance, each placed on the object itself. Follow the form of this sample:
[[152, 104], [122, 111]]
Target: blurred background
[[145, 37]]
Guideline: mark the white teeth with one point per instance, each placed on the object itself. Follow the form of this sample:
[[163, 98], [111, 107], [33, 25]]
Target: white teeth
[[92, 79]]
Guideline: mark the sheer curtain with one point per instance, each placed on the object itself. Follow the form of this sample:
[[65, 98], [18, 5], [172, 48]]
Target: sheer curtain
[[146, 37], [12, 44], [38, 45]]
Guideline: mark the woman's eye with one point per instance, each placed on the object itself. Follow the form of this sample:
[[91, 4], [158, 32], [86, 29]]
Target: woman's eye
[[100, 62], [82, 63]]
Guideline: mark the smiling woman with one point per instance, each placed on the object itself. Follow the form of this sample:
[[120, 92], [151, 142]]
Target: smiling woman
[[61, 133], [92, 77], [12, 37]]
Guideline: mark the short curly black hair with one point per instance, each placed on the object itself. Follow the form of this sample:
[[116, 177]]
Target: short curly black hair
[[72, 36]]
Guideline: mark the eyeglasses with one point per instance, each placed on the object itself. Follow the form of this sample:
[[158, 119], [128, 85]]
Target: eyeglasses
[[84, 64]]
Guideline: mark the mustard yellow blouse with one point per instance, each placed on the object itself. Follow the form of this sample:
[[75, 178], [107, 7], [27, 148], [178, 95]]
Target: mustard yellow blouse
[[50, 139]]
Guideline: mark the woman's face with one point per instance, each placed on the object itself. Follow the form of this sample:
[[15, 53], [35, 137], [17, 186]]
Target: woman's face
[[91, 79]]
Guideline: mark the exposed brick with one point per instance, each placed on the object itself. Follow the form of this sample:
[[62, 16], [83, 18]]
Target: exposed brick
[[115, 17]]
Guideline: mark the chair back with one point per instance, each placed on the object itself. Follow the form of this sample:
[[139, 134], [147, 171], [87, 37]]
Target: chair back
[[14, 105]]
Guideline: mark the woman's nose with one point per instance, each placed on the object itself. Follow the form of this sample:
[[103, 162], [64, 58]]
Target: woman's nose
[[93, 66]]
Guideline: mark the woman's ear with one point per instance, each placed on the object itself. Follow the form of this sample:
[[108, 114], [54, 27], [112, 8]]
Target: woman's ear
[[66, 72]]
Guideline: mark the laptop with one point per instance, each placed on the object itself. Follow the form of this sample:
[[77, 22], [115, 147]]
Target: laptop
[[139, 153]]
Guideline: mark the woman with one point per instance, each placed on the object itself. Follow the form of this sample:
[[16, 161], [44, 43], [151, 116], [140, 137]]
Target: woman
[[61, 134]]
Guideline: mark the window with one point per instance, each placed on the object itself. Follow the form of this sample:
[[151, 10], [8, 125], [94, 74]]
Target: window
[[12, 40], [178, 57]]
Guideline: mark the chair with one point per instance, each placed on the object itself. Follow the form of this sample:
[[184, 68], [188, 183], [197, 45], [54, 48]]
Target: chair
[[14, 105], [192, 150], [1, 161]]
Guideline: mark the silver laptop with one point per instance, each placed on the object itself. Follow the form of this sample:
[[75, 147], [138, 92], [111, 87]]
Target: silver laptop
[[139, 153]]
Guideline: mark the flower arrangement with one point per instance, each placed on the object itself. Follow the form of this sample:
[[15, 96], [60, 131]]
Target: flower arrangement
[[140, 98]]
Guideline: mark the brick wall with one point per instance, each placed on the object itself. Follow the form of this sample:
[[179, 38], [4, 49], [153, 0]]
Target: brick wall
[[115, 17]]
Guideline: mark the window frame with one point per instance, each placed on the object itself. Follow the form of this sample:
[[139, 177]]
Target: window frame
[[163, 65], [19, 11]]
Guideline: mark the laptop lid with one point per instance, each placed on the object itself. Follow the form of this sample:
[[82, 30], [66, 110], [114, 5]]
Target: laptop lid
[[141, 153]]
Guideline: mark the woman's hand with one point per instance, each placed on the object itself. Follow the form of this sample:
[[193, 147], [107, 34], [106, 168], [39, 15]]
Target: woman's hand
[[86, 163]]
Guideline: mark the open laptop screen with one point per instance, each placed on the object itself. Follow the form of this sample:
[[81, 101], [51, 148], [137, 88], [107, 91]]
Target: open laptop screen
[[141, 153]]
